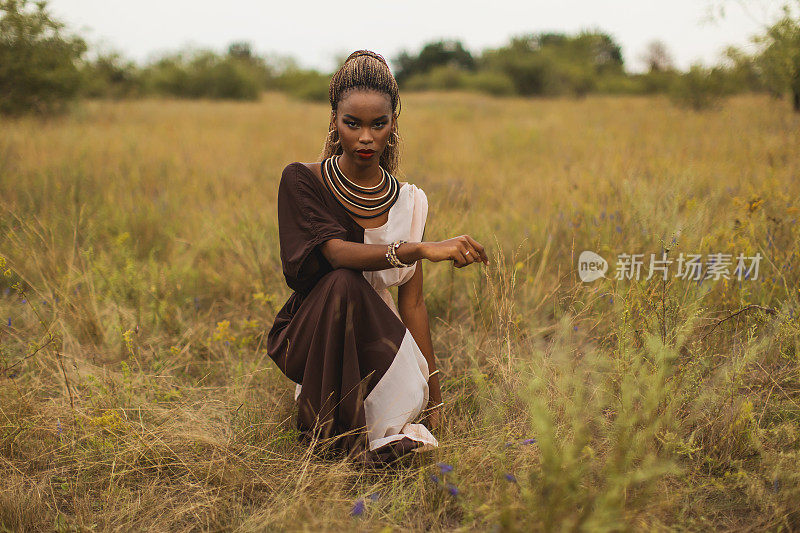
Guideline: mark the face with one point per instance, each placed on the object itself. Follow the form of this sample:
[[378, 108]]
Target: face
[[364, 121]]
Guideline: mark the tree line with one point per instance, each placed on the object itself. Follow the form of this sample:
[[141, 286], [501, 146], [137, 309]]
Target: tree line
[[43, 69]]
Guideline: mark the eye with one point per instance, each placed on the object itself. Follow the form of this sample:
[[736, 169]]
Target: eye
[[379, 125], [351, 123]]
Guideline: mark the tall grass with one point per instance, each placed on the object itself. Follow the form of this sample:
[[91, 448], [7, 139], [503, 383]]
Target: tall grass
[[141, 274]]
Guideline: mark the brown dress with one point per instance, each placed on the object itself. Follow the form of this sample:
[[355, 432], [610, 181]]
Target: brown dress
[[361, 377]]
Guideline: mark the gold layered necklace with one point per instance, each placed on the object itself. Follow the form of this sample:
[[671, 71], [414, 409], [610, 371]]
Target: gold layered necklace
[[386, 192]]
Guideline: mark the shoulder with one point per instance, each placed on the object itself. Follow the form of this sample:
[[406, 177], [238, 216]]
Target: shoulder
[[418, 194], [293, 169], [289, 173], [298, 173], [297, 184]]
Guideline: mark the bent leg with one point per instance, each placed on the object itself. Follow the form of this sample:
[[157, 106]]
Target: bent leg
[[363, 376]]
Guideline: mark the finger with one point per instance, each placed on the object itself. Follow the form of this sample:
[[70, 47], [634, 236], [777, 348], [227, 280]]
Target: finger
[[471, 254], [464, 245], [459, 259], [479, 247], [468, 247]]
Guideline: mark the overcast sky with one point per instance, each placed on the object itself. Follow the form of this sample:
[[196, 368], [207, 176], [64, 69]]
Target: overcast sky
[[316, 32]]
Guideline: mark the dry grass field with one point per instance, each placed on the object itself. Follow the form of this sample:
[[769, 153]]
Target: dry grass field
[[141, 273]]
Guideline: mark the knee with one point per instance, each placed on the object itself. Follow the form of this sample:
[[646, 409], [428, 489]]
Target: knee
[[343, 279]]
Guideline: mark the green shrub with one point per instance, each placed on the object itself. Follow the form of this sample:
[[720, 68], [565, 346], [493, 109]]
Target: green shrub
[[620, 84], [658, 81], [697, 89], [38, 65], [304, 84], [108, 76], [203, 74], [490, 82], [442, 77]]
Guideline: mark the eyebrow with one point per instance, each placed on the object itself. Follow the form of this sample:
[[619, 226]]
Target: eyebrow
[[382, 117]]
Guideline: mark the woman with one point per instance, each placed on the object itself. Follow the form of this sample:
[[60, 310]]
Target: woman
[[364, 367]]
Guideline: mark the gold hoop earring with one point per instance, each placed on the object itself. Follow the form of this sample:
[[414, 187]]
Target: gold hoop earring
[[329, 136]]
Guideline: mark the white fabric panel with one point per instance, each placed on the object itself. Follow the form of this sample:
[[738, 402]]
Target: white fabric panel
[[406, 221], [399, 397], [418, 432]]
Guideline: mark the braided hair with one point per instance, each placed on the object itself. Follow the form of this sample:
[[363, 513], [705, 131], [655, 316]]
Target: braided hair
[[364, 69]]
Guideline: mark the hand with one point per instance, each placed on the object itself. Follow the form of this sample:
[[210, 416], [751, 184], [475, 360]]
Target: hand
[[462, 250]]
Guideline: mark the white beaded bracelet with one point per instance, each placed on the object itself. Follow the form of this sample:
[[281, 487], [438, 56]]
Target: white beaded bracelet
[[391, 255]]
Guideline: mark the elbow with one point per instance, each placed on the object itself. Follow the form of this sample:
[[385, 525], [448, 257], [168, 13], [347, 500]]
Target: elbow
[[333, 260], [331, 253], [407, 308]]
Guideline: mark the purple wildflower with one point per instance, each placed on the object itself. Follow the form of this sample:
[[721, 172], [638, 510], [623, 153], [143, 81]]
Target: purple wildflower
[[434, 478], [529, 441], [13, 374], [508, 444], [619, 229], [358, 508], [510, 477], [227, 343], [574, 328], [452, 489], [9, 322], [59, 425], [444, 468], [24, 301], [611, 299], [374, 496]]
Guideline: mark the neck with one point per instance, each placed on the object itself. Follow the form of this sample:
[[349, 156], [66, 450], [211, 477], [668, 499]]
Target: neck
[[365, 174]]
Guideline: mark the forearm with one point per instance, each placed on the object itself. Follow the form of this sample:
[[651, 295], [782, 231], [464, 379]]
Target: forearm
[[416, 320], [359, 256]]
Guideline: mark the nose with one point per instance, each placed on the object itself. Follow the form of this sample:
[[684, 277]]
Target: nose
[[365, 137]]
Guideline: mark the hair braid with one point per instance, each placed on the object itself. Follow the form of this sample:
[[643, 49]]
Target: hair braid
[[364, 69]]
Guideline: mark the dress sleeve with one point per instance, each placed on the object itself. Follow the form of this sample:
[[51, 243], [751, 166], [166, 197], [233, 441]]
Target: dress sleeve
[[304, 222], [420, 214]]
